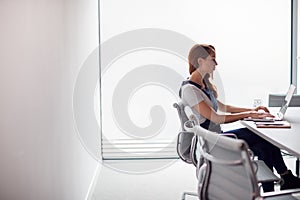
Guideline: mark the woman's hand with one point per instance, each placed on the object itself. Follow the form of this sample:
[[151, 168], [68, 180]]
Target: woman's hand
[[260, 114], [263, 108]]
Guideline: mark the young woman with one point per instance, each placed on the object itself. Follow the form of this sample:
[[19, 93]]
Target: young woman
[[201, 95]]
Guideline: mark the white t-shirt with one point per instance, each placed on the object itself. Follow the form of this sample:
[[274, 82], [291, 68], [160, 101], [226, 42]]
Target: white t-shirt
[[192, 94]]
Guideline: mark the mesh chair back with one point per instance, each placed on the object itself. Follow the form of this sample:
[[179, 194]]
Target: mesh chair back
[[184, 146], [186, 142], [229, 173]]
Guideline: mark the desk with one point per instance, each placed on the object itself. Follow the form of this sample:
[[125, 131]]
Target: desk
[[285, 138]]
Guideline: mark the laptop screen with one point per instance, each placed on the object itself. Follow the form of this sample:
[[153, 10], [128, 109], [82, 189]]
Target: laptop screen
[[287, 100]]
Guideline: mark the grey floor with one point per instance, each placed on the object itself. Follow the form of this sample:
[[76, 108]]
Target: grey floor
[[144, 180], [148, 179]]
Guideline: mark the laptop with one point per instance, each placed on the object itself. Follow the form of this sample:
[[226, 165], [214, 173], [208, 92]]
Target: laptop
[[280, 114]]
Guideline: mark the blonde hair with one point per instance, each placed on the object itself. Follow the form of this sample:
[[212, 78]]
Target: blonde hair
[[202, 51]]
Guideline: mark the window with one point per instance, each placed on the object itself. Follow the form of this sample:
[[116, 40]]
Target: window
[[143, 60]]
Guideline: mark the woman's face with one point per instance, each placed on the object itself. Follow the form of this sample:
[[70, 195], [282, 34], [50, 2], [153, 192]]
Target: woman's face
[[207, 65]]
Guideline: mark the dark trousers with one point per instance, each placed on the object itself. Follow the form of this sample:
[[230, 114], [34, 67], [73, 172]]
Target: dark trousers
[[264, 150]]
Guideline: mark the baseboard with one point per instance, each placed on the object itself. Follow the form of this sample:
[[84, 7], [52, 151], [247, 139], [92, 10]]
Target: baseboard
[[93, 183]]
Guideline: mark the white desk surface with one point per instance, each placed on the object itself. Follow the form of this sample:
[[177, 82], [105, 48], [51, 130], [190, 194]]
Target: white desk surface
[[284, 138]]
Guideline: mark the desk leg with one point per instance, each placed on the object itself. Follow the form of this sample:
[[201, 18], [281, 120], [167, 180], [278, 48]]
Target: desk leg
[[297, 167]]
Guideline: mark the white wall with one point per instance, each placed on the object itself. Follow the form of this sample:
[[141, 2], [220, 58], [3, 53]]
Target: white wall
[[43, 44]]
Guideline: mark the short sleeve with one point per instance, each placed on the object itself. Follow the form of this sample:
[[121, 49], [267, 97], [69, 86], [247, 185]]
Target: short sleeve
[[191, 95]]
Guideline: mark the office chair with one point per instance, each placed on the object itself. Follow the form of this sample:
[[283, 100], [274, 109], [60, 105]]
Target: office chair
[[187, 149], [229, 171], [186, 144]]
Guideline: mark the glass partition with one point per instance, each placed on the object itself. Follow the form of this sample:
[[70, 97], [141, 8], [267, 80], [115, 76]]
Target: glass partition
[[144, 46]]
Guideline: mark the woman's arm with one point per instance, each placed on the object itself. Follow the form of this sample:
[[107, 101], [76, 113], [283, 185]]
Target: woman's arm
[[234, 109], [209, 113]]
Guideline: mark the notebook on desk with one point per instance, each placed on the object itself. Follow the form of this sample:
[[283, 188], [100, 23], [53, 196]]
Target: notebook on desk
[[280, 114], [273, 124]]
